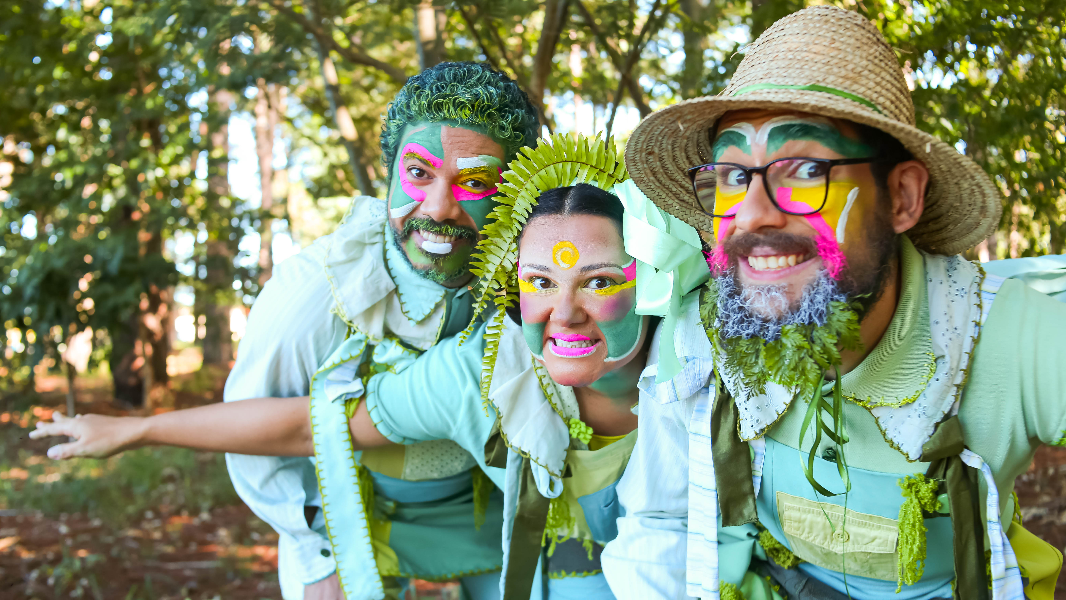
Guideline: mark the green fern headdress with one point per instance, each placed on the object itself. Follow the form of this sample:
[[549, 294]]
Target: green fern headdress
[[558, 161]]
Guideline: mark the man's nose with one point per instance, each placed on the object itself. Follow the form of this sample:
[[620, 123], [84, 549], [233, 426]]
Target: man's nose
[[440, 203], [757, 211]]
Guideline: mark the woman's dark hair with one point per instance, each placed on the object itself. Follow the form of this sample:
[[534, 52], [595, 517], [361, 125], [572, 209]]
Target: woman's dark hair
[[580, 199]]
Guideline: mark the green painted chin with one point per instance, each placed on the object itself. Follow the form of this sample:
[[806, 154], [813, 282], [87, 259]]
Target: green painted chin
[[439, 269]]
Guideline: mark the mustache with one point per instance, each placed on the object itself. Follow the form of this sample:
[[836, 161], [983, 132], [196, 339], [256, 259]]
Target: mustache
[[431, 226], [786, 243]]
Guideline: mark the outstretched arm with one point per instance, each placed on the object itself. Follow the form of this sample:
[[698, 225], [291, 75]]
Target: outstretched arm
[[260, 426]]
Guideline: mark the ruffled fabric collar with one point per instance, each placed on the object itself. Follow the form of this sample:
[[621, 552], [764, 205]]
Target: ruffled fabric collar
[[533, 410], [373, 298], [953, 287]]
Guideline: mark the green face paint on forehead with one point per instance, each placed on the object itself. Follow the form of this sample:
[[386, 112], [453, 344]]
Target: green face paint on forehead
[[821, 133], [729, 138]]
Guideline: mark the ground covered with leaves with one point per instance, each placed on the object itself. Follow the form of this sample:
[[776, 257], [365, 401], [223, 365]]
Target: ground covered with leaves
[[165, 523], [150, 524]]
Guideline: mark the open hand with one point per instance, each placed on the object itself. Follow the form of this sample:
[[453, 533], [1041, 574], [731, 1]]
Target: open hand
[[94, 436]]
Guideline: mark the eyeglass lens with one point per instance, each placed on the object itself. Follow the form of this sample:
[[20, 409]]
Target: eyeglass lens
[[795, 185]]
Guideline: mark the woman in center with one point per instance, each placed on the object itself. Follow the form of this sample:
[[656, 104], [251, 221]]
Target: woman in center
[[561, 396]]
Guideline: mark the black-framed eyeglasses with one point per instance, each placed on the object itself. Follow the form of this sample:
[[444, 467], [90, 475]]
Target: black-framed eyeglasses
[[721, 186]]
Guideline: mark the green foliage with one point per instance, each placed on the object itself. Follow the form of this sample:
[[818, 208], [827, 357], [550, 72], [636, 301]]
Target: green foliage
[[120, 488], [559, 161], [798, 360]]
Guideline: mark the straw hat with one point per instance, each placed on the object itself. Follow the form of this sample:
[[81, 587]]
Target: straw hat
[[832, 62]]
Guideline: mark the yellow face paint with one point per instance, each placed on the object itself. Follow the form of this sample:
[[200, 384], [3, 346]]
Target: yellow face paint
[[565, 254], [834, 214], [726, 204], [528, 288], [614, 289], [838, 203]]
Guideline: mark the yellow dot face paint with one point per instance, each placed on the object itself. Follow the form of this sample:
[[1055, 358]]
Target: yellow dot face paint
[[565, 254]]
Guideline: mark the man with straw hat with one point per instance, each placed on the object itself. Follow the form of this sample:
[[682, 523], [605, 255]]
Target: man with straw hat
[[845, 406]]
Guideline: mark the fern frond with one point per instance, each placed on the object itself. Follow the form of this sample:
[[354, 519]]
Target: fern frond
[[558, 161]]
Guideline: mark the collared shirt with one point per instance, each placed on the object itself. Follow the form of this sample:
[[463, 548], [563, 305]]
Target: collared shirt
[[302, 315], [1014, 400]]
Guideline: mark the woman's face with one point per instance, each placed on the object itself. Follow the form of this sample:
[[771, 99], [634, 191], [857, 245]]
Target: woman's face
[[576, 287]]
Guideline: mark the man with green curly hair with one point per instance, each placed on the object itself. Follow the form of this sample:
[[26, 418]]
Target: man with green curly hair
[[391, 280]]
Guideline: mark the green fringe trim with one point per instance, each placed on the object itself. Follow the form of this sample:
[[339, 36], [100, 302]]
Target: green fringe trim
[[482, 491], [920, 494], [728, 591], [559, 519], [350, 405], [777, 551], [572, 574]]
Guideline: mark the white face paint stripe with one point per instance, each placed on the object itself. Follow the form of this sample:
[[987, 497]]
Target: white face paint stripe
[[436, 247], [745, 129], [403, 211], [764, 130], [842, 224], [471, 162]]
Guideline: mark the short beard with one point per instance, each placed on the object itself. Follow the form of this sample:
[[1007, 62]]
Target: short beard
[[437, 273]]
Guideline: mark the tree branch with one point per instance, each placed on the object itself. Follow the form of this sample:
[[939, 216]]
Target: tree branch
[[631, 60], [477, 37], [351, 53]]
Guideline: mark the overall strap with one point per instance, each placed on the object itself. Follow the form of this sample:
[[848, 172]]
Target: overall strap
[[526, 535], [732, 464], [942, 450]]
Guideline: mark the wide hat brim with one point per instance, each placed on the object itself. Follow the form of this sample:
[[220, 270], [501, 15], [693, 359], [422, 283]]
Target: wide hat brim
[[962, 205]]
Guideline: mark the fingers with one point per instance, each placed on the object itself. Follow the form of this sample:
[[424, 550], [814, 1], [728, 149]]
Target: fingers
[[61, 426], [64, 451]]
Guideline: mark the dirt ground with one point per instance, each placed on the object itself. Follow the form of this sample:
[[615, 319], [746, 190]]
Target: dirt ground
[[173, 551], [167, 552]]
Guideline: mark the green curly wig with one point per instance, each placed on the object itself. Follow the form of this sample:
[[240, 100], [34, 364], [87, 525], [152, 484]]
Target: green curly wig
[[462, 93]]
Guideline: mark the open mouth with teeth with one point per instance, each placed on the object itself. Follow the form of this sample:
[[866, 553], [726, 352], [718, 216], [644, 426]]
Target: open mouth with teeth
[[435, 243], [568, 345], [777, 262]]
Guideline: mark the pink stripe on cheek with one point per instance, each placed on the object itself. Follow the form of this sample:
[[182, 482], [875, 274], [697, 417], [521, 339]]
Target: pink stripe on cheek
[[631, 271], [717, 260]]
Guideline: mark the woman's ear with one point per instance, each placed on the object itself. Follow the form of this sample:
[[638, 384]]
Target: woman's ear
[[906, 185]]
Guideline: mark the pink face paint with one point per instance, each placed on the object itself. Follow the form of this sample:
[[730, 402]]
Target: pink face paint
[[463, 194], [828, 249], [717, 260], [413, 191], [571, 352], [630, 270], [571, 337]]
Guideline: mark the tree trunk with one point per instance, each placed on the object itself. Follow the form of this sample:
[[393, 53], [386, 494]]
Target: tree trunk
[[217, 342], [126, 361], [430, 22], [555, 12], [265, 121], [694, 43], [343, 118]]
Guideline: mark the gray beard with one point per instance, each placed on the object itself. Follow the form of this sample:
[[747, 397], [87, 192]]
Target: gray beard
[[742, 312]]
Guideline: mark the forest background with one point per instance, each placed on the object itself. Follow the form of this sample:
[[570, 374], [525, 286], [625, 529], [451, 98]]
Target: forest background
[[159, 158]]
